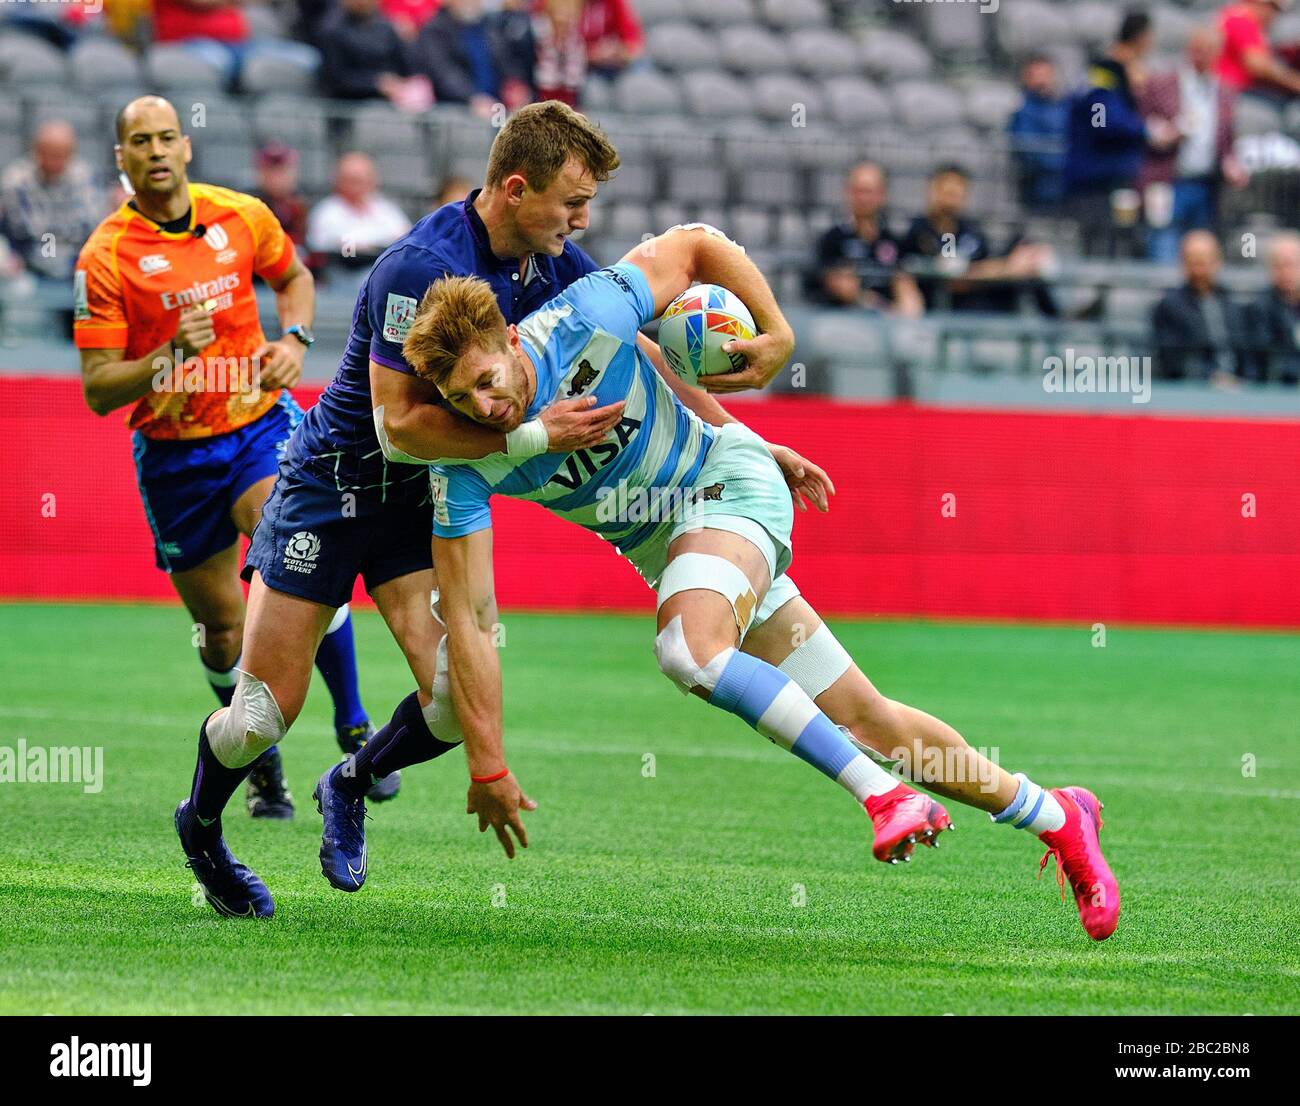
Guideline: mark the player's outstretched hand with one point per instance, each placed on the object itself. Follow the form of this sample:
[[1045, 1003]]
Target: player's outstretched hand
[[804, 478], [279, 363], [498, 805], [578, 423], [765, 356]]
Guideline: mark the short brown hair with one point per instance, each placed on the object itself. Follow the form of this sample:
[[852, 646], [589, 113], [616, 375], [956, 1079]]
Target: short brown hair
[[456, 313], [539, 138]]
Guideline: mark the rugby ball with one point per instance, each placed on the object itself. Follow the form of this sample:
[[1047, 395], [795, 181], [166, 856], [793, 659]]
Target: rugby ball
[[694, 327]]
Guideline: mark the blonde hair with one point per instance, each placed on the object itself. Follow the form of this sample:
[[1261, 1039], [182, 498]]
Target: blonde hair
[[456, 313], [539, 138]]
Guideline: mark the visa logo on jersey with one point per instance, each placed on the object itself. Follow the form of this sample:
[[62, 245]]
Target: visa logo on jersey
[[581, 466]]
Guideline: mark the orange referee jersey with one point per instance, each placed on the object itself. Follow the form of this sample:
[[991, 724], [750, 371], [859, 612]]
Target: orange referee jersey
[[132, 280]]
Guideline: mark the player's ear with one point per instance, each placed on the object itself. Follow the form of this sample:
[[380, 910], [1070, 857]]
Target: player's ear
[[512, 336], [513, 187], [189, 150]]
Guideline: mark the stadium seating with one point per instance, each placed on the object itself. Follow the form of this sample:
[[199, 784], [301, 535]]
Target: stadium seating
[[104, 66], [174, 68], [749, 111], [892, 55], [681, 47], [27, 62]]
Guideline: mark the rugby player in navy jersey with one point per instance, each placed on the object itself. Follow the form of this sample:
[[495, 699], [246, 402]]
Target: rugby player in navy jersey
[[353, 495]]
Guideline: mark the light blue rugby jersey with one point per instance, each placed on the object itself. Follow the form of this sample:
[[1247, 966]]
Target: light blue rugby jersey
[[582, 343]]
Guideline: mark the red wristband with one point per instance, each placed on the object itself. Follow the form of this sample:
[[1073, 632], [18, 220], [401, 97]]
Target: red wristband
[[491, 779]]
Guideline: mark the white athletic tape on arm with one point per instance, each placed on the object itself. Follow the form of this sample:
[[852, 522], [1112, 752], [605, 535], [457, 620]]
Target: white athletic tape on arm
[[817, 663], [527, 440], [708, 228], [390, 451], [440, 715], [249, 726], [707, 572]]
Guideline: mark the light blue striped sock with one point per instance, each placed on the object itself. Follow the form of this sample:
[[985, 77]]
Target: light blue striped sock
[[781, 711], [1032, 809]]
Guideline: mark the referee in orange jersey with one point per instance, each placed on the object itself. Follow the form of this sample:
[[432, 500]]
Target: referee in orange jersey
[[165, 319]]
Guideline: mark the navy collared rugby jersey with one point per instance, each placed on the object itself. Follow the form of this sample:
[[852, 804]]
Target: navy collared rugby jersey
[[336, 441]]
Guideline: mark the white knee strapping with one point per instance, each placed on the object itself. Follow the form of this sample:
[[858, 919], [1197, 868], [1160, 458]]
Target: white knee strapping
[[340, 617], [706, 572], [251, 724], [435, 608], [678, 664], [440, 715], [817, 663]]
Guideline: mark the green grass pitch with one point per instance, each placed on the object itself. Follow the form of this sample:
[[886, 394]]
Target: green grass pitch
[[732, 879]]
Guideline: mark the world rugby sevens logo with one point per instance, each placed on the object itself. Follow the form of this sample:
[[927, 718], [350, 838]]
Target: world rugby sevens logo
[[303, 546], [216, 237]]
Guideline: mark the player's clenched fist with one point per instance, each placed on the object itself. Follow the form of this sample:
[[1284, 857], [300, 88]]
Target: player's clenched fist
[[279, 362], [498, 805], [194, 331], [578, 424]]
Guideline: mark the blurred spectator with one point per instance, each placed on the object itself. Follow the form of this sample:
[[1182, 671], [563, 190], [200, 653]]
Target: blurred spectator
[[561, 52], [217, 31], [856, 262], [1181, 177], [1037, 129], [311, 14], [51, 203], [1278, 311], [277, 187], [1199, 332], [613, 35], [11, 270], [184, 20], [129, 19], [477, 59], [356, 222], [408, 16], [964, 274], [452, 190], [363, 57], [59, 25], [1248, 62], [1106, 140]]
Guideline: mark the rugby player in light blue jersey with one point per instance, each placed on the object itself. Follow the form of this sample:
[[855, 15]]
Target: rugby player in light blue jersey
[[705, 516]]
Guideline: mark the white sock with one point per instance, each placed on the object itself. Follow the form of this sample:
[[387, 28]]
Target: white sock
[[862, 778], [1033, 809], [221, 677]]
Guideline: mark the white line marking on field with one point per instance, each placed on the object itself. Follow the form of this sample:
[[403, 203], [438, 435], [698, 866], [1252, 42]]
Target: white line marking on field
[[756, 755]]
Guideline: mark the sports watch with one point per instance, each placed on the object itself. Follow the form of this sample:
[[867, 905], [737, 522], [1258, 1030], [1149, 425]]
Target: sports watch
[[302, 333]]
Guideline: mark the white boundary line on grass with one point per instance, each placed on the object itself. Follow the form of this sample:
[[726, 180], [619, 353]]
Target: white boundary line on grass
[[760, 754]]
